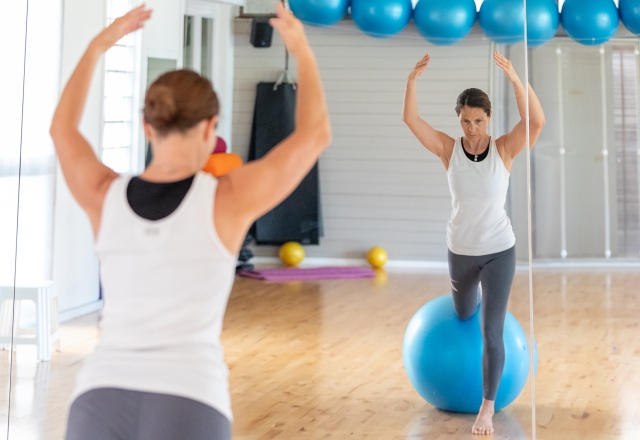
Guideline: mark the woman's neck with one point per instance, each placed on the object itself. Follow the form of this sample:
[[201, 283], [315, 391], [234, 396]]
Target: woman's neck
[[173, 160], [167, 172], [476, 145]]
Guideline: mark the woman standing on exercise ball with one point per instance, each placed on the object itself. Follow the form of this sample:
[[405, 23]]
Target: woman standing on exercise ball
[[167, 241], [479, 235]]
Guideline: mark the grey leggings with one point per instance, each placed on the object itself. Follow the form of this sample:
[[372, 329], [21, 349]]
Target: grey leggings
[[495, 272], [117, 414]]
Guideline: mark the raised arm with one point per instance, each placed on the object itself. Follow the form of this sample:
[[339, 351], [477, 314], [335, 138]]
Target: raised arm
[[250, 191], [512, 143], [435, 141], [87, 178]]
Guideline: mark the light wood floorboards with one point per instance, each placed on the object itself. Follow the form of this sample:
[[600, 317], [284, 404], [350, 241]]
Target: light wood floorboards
[[320, 360]]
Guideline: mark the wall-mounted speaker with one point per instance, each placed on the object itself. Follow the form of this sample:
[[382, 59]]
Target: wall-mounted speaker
[[261, 32]]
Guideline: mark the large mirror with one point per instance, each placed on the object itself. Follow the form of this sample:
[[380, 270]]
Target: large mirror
[[379, 187], [322, 356], [585, 184], [29, 91], [13, 95], [13, 24]]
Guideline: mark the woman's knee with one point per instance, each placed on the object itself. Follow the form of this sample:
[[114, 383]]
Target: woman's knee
[[493, 340], [465, 311]]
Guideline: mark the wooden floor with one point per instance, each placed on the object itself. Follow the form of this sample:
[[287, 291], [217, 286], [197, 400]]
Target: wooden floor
[[323, 360]]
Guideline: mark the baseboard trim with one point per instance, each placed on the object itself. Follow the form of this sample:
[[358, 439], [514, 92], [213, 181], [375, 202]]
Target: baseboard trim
[[76, 312], [391, 264], [318, 261], [521, 266]]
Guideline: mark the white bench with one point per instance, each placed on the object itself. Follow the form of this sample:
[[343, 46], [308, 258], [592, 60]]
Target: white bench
[[45, 297]]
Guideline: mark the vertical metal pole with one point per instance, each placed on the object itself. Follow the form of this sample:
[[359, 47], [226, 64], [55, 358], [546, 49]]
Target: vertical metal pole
[[563, 152], [605, 155], [529, 229], [637, 52], [492, 86]]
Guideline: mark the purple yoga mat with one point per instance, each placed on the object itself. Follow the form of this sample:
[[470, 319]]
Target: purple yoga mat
[[316, 273]]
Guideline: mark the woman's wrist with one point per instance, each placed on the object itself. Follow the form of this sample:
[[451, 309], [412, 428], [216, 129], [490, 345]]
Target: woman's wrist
[[97, 45], [515, 80], [305, 54]]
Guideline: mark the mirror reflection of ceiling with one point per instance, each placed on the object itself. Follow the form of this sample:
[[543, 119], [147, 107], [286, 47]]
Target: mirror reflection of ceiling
[[269, 6], [441, 22], [446, 22]]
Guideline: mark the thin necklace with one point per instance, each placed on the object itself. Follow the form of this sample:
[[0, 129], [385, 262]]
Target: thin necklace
[[475, 156]]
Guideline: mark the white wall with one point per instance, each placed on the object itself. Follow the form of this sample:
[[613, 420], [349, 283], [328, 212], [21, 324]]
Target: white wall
[[379, 185], [162, 36], [75, 267]]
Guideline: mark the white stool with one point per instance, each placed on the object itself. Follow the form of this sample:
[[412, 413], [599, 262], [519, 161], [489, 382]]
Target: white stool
[[45, 297]]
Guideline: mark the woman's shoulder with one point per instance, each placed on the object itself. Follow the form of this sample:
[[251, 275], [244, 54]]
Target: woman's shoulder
[[453, 142]]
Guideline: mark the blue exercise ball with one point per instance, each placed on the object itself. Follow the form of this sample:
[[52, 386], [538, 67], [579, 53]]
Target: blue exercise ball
[[319, 12], [381, 18], [543, 18], [444, 22], [502, 20], [442, 356], [630, 14], [590, 22]]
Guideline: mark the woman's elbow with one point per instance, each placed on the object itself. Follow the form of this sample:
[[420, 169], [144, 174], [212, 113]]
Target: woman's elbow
[[316, 135], [324, 135], [57, 130], [53, 130], [538, 124], [409, 119]]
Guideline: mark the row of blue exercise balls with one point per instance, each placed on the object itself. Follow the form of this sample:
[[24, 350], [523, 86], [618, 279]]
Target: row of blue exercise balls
[[445, 22]]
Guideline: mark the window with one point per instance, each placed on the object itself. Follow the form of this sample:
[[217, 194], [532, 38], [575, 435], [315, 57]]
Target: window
[[119, 116], [625, 130], [198, 44]]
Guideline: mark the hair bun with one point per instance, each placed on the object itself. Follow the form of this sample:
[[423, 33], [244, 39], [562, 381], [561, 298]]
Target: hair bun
[[178, 100], [160, 107]]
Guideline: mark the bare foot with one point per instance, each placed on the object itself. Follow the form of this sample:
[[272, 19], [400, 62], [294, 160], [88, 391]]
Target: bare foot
[[484, 422]]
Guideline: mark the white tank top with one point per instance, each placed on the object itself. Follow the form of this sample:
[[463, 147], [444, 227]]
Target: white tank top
[[478, 224], [166, 284]]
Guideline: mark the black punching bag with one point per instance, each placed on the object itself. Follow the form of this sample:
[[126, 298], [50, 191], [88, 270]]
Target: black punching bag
[[297, 218]]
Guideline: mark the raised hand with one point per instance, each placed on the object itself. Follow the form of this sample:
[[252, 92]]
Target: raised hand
[[130, 22], [290, 29], [505, 65], [420, 67]]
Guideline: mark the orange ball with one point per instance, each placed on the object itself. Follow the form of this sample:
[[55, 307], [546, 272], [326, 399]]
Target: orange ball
[[220, 164]]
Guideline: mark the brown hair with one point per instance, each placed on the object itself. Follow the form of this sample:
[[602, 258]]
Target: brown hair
[[473, 98], [179, 100]]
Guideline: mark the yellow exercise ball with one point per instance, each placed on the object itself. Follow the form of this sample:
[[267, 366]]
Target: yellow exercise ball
[[377, 257], [291, 253]]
